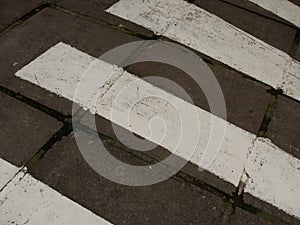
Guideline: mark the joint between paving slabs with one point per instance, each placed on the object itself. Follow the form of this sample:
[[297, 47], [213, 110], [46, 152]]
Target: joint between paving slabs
[[228, 214], [273, 103], [120, 28], [23, 170], [58, 136], [67, 129], [234, 200], [25, 17], [34, 104]]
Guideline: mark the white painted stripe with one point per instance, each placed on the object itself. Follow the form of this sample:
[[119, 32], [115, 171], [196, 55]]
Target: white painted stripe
[[25, 200], [233, 156], [7, 172], [282, 8], [274, 176], [209, 34], [53, 71]]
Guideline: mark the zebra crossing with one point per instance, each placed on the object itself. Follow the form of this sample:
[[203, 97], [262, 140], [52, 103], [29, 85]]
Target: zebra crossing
[[265, 171], [206, 33]]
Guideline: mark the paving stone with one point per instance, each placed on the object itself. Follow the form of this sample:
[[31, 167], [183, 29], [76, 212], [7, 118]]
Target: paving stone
[[96, 9], [246, 101], [27, 41], [273, 211], [169, 202], [274, 33], [12, 10], [284, 129], [242, 217], [24, 130]]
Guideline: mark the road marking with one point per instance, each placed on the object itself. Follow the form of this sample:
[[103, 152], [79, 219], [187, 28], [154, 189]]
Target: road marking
[[198, 29], [27, 200], [274, 176], [7, 172], [53, 71], [59, 70], [282, 8]]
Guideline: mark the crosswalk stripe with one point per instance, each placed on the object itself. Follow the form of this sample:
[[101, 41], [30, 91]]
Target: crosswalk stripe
[[282, 8], [27, 200], [196, 28], [274, 176], [61, 68]]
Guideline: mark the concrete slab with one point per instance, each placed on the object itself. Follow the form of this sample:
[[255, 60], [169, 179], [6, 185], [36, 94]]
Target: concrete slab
[[284, 127], [169, 202], [21, 45], [24, 130], [274, 33]]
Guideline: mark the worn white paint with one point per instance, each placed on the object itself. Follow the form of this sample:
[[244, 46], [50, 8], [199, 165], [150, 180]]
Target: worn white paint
[[54, 71], [68, 65], [274, 176], [26, 200], [7, 172], [230, 160], [234, 155], [282, 8], [209, 34]]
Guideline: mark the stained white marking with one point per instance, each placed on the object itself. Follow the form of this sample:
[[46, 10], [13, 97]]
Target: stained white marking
[[7, 172], [282, 8], [209, 34], [233, 156], [274, 176], [26, 200], [55, 71]]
